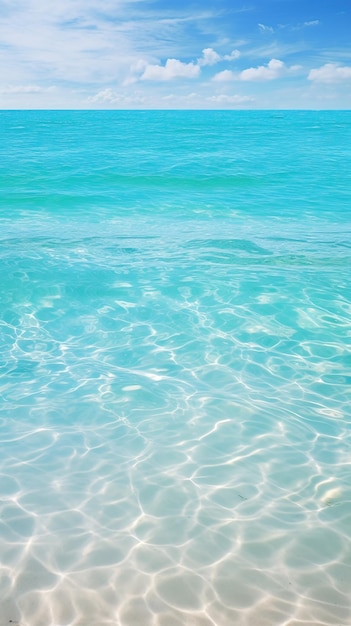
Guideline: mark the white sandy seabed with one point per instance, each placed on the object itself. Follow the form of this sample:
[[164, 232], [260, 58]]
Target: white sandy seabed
[[142, 522]]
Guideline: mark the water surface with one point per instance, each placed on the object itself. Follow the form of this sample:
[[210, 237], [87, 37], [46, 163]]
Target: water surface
[[175, 327]]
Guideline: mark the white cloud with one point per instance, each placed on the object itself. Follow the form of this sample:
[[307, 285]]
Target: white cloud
[[172, 69], [91, 41], [66, 41], [224, 76], [25, 89], [105, 95], [108, 96], [183, 98], [226, 99], [235, 54], [269, 29], [115, 99], [274, 69], [209, 57], [330, 73], [302, 25], [265, 29]]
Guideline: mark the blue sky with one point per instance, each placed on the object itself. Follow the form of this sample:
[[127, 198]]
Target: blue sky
[[257, 54]]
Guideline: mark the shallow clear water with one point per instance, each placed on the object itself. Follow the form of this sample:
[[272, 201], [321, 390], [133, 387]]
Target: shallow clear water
[[175, 323]]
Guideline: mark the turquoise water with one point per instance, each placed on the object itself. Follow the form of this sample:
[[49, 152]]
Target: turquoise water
[[175, 324]]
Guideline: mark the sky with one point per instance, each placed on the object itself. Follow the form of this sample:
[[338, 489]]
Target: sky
[[172, 54]]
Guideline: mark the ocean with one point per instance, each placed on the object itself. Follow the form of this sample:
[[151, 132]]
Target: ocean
[[175, 327]]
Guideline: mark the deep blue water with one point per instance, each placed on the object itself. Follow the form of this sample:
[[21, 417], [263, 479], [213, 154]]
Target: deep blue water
[[175, 328]]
